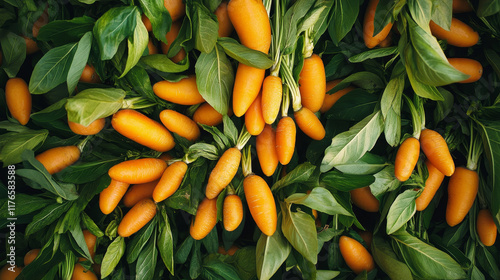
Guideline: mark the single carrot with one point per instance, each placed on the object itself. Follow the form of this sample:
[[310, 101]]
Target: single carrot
[[436, 150], [254, 120], [406, 158], [364, 199], [372, 40], [285, 139], [139, 192], [468, 66], [176, 8], [170, 181], [18, 99], [486, 227], [432, 184], [80, 273], [387, 42], [183, 92], [461, 6], [232, 214], [31, 256], [266, 150], [111, 196], [309, 123], [230, 252], [90, 240], [147, 23], [137, 217], [225, 25], [355, 255], [462, 191], [170, 36], [207, 115], [331, 99], [56, 159], [180, 124], [261, 203], [31, 45], [205, 219], [143, 130], [247, 85], [92, 129], [89, 75], [223, 172], [367, 237], [312, 83], [272, 91], [138, 171], [459, 35]]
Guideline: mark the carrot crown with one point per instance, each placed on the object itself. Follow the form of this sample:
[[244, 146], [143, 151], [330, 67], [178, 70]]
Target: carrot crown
[[246, 161]]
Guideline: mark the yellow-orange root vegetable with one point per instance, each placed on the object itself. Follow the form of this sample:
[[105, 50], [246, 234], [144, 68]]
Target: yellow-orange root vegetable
[[183, 92], [486, 227], [459, 35], [92, 129], [406, 158], [137, 217], [223, 172], [364, 199], [18, 99], [436, 150], [309, 123], [232, 212], [285, 139], [111, 196], [372, 40], [139, 192], [170, 181], [468, 66], [331, 99], [432, 184], [462, 191], [205, 219], [261, 203], [266, 150], [272, 92], [254, 120], [138, 171], [56, 159], [355, 255], [312, 83], [180, 124]]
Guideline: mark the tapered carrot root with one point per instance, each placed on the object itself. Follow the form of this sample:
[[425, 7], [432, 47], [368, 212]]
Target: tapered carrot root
[[180, 124], [312, 83], [139, 192], [486, 227], [309, 124], [232, 212], [406, 158], [18, 99], [459, 35], [436, 150], [254, 120], [372, 40], [92, 129], [183, 92], [223, 172], [170, 181], [247, 84], [266, 150], [355, 255], [31, 256], [225, 25], [111, 196], [138, 171], [261, 203], [432, 184], [137, 217], [56, 159], [143, 130], [462, 191], [468, 66], [364, 199], [272, 92], [285, 139], [205, 219], [331, 99]]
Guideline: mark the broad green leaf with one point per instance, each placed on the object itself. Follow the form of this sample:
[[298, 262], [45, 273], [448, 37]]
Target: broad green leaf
[[423, 90], [43, 264], [336, 180], [16, 143], [183, 250], [162, 63], [91, 225], [390, 106], [136, 245], [166, 242], [230, 129], [94, 103], [185, 37], [300, 230], [271, 253], [159, 17], [293, 16], [13, 51], [64, 31], [488, 262], [421, 11], [374, 53], [314, 17], [25, 204], [343, 18], [444, 107], [204, 27], [385, 181], [215, 78], [351, 145], [364, 79], [442, 13], [77, 234], [47, 216], [216, 269], [387, 260], [301, 174], [386, 12], [137, 43], [195, 262], [79, 61], [487, 8], [424, 260], [401, 211], [50, 113], [368, 164], [354, 106], [146, 262], [86, 172], [244, 54], [6, 15], [326, 274], [113, 254], [319, 199], [118, 21]]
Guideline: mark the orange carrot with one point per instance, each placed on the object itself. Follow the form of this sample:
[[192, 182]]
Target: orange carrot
[[371, 40], [138, 171], [31, 256], [355, 255], [207, 115], [31, 45], [147, 23], [266, 150], [176, 8], [89, 75], [183, 92], [432, 184], [261, 203], [170, 36], [180, 124], [223, 172], [152, 49], [331, 99], [230, 252], [225, 25], [56, 159], [486, 227], [272, 91], [462, 191], [232, 212], [80, 273], [469, 67], [92, 129], [10, 273], [139, 192], [364, 199], [111, 196], [247, 84], [137, 217], [254, 120], [90, 240], [309, 123], [143, 130], [459, 35], [461, 6], [436, 150], [406, 158], [205, 219], [312, 83], [285, 139], [170, 181], [18, 99]]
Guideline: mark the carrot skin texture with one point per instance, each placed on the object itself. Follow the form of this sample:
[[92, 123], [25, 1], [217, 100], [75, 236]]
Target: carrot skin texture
[[138, 171], [56, 159], [261, 203], [223, 172], [89, 75], [369, 27], [18, 99], [436, 150], [92, 129], [139, 192], [111, 196], [462, 191], [406, 158], [355, 255], [176, 8], [309, 123], [180, 124], [225, 25], [312, 83], [207, 115], [254, 120], [143, 130], [232, 214], [137, 217], [331, 99], [170, 181], [432, 184], [31, 256], [486, 227], [459, 35], [183, 92], [266, 150], [285, 139], [364, 199], [205, 219], [247, 84], [79, 273], [469, 67], [272, 92]]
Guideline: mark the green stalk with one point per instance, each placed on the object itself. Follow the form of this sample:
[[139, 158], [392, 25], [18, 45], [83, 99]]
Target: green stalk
[[415, 117], [246, 161], [291, 83], [136, 103], [475, 149], [285, 102], [308, 48], [82, 144], [243, 138]]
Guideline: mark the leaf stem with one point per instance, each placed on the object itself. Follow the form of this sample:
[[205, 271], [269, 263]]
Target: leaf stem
[[82, 144], [475, 149], [136, 103], [415, 117], [243, 138], [291, 83], [246, 161]]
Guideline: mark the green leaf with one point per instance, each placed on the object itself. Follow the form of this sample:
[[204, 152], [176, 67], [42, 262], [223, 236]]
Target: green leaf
[[387, 260], [424, 260], [86, 172], [134, 248], [244, 54], [162, 63], [368, 164], [47, 216], [423, 90], [113, 254], [166, 242], [79, 238], [79, 61], [337, 180], [185, 37], [421, 11], [118, 21], [16, 143], [342, 20], [326, 274], [159, 17], [390, 106], [300, 230], [364, 79], [204, 27], [442, 13], [444, 107], [25, 204], [182, 252], [91, 225], [351, 145], [301, 174], [52, 69], [230, 130], [146, 262], [386, 12], [488, 262], [385, 181], [271, 253], [401, 211], [216, 269], [137, 43], [354, 106], [64, 31], [487, 8], [13, 51], [94, 103], [195, 263], [319, 199], [215, 79], [374, 53], [292, 18]]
